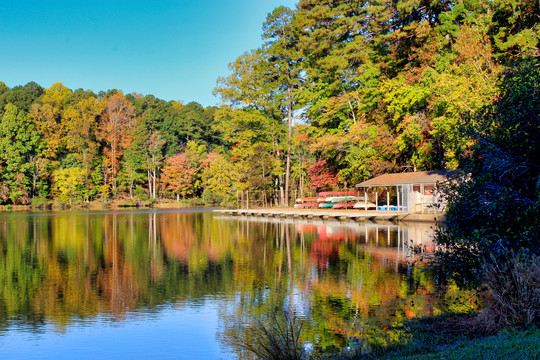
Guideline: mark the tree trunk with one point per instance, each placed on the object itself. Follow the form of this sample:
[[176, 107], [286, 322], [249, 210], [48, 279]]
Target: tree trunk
[[288, 166], [113, 172], [131, 184], [154, 183], [149, 183]]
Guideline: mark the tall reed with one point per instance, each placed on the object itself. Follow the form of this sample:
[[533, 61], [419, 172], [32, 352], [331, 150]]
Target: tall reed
[[514, 293]]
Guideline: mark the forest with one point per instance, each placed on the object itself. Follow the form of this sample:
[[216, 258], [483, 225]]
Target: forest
[[339, 91]]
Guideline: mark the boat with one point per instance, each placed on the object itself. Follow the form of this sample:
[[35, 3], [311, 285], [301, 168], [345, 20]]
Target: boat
[[336, 193], [336, 199], [326, 205], [306, 199], [306, 205], [365, 205], [343, 205]]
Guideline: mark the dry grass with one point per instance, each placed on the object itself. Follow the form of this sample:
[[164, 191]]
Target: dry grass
[[514, 294]]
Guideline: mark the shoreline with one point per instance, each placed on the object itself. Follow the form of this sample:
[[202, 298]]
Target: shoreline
[[100, 206]]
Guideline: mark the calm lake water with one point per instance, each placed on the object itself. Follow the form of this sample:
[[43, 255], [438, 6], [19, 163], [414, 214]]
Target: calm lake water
[[181, 284]]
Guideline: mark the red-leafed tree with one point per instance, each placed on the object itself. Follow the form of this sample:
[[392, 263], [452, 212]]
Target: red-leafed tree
[[321, 175], [178, 175]]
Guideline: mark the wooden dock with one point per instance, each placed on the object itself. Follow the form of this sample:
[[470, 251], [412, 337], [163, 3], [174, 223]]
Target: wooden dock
[[351, 215]]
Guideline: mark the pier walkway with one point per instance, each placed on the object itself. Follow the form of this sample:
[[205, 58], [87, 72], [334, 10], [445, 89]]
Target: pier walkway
[[350, 215]]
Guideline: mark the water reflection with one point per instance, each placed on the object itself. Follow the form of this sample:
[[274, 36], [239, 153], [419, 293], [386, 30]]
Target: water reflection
[[342, 281]]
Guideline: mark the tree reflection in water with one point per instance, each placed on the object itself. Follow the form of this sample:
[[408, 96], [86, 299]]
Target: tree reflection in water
[[339, 282]]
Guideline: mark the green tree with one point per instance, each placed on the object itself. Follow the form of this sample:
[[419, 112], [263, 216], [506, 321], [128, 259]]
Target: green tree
[[135, 158], [219, 178], [21, 96], [19, 147]]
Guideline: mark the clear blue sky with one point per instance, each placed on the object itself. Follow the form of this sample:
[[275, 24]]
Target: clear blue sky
[[173, 49]]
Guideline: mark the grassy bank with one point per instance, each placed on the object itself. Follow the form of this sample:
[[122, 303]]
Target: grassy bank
[[458, 337], [507, 345]]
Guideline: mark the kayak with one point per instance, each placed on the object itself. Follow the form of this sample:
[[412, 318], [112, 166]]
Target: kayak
[[306, 199], [343, 206], [336, 193], [305, 205]]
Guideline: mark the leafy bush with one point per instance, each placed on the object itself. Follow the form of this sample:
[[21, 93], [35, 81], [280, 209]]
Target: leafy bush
[[494, 210]]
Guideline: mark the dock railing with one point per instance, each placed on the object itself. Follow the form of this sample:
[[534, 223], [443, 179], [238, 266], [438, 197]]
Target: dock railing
[[249, 199]]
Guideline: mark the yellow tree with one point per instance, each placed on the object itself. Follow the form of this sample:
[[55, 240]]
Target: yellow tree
[[113, 130], [81, 125], [220, 178], [69, 183], [47, 120]]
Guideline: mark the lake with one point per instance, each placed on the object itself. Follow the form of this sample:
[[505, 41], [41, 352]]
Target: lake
[[186, 284]]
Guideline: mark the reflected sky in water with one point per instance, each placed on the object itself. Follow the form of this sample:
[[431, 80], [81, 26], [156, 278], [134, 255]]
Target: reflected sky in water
[[182, 283]]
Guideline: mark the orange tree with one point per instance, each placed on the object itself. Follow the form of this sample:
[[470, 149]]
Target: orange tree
[[178, 175]]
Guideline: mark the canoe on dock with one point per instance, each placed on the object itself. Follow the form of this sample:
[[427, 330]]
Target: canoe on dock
[[326, 205], [365, 205], [306, 205], [337, 199], [306, 199], [336, 193], [343, 206]]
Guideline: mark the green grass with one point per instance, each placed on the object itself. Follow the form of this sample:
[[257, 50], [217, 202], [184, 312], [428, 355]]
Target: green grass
[[455, 337], [508, 345]]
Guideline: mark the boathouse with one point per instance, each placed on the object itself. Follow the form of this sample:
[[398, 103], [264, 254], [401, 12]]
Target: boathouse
[[415, 191]]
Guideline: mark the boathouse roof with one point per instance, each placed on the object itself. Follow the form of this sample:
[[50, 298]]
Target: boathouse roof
[[421, 177]]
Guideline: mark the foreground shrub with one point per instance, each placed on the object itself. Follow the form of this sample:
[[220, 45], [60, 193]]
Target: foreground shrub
[[270, 338], [495, 207], [514, 293]]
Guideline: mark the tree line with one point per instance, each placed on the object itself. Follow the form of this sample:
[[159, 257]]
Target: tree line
[[76, 146], [356, 89], [340, 91]]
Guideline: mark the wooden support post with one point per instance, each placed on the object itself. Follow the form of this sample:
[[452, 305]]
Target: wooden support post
[[365, 200], [422, 197], [376, 200], [387, 198], [397, 196]]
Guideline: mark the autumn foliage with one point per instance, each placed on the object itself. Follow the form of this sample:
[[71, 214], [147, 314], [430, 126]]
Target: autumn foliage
[[322, 176], [178, 175]]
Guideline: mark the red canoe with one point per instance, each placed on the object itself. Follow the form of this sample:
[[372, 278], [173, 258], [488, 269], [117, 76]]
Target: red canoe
[[306, 205], [336, 193], [344, 206], [306, 199]]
